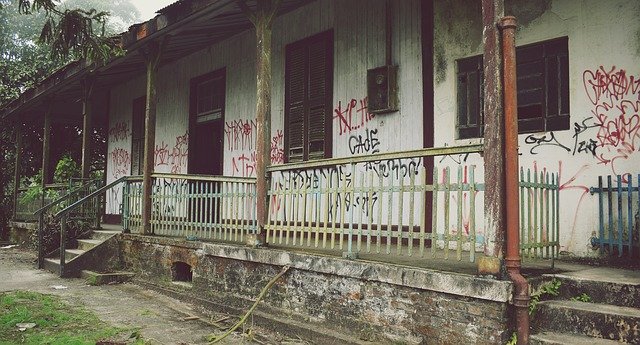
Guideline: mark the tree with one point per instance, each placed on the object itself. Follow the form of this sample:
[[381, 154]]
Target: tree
[[71, 33]]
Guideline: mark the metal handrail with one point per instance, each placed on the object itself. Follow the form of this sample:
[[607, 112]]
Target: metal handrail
[[91, 195], [426, 152], [61, 199]]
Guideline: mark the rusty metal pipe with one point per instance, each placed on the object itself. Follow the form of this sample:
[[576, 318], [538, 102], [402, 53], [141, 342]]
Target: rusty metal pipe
[[512, 260]]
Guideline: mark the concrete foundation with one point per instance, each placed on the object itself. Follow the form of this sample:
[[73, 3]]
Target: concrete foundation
[[367, 300]]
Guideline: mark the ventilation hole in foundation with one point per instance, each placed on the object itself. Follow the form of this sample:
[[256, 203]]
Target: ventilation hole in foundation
[[181, 272]]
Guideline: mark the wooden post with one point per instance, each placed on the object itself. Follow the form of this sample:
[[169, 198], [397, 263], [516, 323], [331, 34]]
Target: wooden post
[[87, 127], [494, 199], [262, 19], [16, 176], [46, 139], [151, 55]]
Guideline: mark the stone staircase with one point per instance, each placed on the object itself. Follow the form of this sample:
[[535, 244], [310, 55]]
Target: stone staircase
[[611, 317], [95, 253]]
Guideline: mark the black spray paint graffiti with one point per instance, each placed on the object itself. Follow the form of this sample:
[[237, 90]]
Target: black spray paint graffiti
[[544, 140], [335, 181], [370, 144], [173, 193], [584, 146]]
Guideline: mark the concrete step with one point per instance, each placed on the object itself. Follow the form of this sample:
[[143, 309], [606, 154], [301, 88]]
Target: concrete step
[[52, 265], [88, 244], [72, 253], [103, 234], [602, 284], [97, 278], [552, 338], [588, 319]]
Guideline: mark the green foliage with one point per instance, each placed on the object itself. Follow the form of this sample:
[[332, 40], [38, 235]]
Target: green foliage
[[66, 169], [513, 340], [551, 288], [57, 322], [583, 297]]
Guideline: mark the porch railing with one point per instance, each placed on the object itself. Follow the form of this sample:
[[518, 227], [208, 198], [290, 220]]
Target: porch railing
[[380, 204], [539, 214], [618, 214], [194, 206]]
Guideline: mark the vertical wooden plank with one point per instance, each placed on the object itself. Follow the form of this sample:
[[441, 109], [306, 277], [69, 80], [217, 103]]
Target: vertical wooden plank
[[343, 209], [620, 220], [530, 198], [400, 231], [423, 207], [610, 209], [630, 214], [434, 213], [390, 214], [460, 186], [536, 225], [379, 223], [412, 187], [447, 201], [361, 209], [523, 238], [601, 214], [369, 210], [547, 190], [472, 214]]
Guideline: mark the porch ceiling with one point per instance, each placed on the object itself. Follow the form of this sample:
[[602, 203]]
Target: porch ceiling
[[186, 26]]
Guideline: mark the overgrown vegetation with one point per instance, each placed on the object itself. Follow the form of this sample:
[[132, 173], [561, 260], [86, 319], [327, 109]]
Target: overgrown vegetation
[[551, 288], [583, 297], [56, 322]]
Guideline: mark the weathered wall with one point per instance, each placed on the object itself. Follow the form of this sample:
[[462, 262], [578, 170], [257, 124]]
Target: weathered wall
[[377, 302], [604, 86]]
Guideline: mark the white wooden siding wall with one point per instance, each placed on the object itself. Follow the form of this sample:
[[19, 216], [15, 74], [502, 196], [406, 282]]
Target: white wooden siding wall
[[359, 45], [601, 33], [119, 139]]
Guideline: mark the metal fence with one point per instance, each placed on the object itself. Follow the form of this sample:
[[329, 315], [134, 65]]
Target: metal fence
[[618, 214], [539, 214], [194, 206]]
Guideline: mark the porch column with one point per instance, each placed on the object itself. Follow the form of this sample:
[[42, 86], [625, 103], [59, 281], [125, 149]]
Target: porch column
[[151, 55], [87, 124], [262, 19], [46, 142], [494, 195], [16, 176]]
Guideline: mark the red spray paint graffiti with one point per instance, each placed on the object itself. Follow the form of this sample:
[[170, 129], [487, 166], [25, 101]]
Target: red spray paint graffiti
[[175, 157], [240, 134], [119, 132], [120, 161], [615, 96], [355, 115], [277, 148]]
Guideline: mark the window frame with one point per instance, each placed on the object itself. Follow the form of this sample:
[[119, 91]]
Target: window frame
[[306, 43], [547, 119]]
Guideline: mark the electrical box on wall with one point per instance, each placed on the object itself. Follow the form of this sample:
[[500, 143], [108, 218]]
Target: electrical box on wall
[[382, 89]]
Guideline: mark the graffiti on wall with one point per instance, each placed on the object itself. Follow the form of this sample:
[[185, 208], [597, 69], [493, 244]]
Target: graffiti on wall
[[240, 134], [119, 132], [277, 148], [352, 115], [175, 156], [120, 162]]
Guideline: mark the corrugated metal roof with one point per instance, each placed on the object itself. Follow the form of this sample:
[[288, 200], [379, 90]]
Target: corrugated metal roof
[[187, 25]]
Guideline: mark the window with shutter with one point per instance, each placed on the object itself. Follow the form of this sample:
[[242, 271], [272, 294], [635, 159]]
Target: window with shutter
[[308, 98], [543, 89], [137, 135]]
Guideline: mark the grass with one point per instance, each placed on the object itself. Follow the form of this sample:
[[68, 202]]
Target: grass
[[57, 322]]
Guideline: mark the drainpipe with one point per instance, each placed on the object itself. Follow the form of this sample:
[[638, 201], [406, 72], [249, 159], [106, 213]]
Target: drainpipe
[[512, 261]]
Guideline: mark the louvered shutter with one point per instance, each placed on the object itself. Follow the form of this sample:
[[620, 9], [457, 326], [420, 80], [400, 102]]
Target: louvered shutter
[[309, 69], [296, 94]]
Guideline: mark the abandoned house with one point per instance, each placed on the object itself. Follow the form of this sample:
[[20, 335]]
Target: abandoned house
[[367, 146]]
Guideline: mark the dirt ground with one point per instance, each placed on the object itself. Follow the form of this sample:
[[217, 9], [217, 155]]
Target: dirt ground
[[160, 319]]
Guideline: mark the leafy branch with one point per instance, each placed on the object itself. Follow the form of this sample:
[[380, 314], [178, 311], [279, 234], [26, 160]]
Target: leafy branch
[[73, 32]]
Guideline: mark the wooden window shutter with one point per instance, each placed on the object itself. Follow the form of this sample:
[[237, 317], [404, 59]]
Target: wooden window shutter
[[137, 135], [308, 98]]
